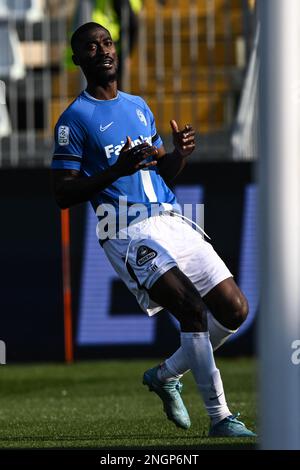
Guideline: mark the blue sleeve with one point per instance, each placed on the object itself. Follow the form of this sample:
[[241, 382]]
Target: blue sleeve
[[69, 137], [156, 139]]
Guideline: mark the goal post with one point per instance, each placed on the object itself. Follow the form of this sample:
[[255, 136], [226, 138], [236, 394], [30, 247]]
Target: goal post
[[279, 217]]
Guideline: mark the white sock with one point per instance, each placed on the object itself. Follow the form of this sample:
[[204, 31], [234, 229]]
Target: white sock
[[175, 366], [198, 351], [217, 332]]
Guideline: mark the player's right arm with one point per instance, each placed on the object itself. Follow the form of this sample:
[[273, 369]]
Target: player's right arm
[[71, 188]]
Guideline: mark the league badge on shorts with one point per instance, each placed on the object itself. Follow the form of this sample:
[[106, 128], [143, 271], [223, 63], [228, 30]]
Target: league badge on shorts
[[144, 254]]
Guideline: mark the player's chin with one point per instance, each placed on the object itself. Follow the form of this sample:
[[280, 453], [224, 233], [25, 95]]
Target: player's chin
[[108, 75]]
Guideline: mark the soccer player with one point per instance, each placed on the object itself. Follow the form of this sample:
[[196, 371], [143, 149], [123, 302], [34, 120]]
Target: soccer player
[[108, 152]]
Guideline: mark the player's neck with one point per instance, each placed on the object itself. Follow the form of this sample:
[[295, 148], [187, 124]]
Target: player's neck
[[108, 91]]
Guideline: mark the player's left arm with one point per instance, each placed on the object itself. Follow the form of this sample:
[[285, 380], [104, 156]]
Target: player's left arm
[[171, 164]]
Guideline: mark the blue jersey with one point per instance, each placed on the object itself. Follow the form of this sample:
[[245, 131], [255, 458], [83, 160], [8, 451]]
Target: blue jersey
[[89, 136]]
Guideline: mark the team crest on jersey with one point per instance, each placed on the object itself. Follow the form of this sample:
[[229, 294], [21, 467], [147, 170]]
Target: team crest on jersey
[[63, 135], [141, 116], [144, 254]]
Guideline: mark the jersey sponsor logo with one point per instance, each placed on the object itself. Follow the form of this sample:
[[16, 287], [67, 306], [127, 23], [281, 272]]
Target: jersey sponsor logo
[[63, 135], [111, 150], [141, 116], [145, 254], [104, 128]]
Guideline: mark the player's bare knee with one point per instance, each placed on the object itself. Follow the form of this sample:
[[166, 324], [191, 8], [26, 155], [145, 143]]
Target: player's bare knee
[[240, 310]]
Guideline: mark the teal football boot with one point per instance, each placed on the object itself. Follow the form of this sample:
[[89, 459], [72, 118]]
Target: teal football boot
[[230, 427], [169, 393]]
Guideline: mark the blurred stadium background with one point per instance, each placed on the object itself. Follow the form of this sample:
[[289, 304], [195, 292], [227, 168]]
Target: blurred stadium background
[[193, 61]]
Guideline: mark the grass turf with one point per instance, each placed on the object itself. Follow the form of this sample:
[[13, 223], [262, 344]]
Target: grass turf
[[102, 404]]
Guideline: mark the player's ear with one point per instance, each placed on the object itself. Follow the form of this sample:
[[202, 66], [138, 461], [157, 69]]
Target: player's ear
[[75, 60]]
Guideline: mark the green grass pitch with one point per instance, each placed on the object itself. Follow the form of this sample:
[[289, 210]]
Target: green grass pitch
[[103, 404]]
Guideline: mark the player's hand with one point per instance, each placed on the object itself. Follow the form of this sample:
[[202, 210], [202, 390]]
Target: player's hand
[[183, 140], [132, 159]]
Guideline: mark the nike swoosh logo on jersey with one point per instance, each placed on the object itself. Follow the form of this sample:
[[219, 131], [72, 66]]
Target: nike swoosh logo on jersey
[[102, 129]]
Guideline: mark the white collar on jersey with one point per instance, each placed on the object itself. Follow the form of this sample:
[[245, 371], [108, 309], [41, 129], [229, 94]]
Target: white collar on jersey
[[95, 99]]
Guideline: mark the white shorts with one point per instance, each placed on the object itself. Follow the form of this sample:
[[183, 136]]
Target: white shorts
[[156, 245]]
